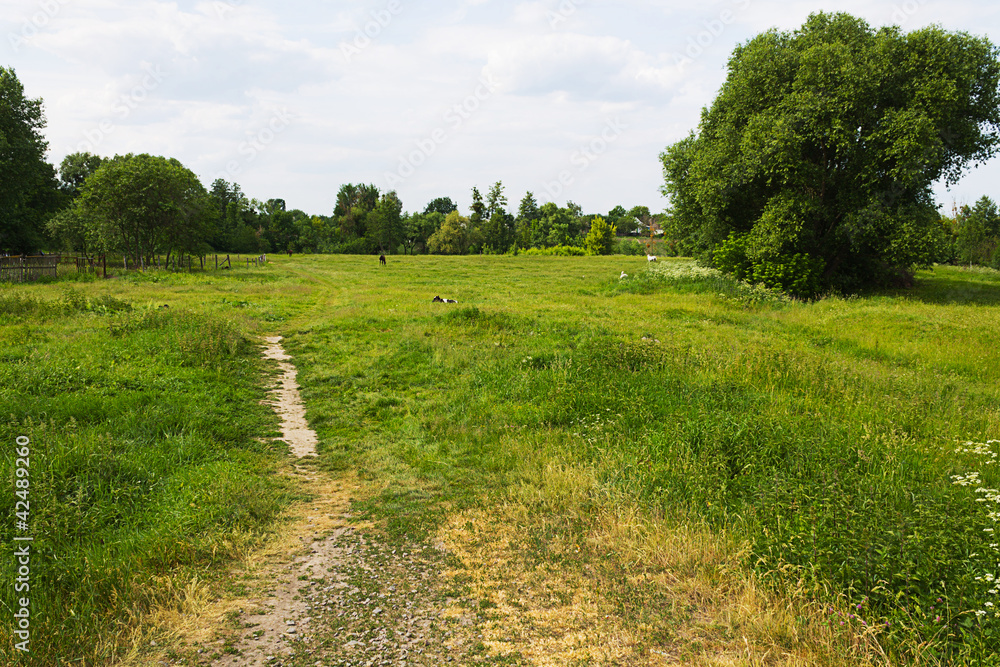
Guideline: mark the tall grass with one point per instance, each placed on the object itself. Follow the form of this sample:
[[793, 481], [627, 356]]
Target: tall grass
[[823, 434], [147, 463], [821, 440]]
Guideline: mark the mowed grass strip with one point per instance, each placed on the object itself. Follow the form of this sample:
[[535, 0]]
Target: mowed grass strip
[[821, 437]]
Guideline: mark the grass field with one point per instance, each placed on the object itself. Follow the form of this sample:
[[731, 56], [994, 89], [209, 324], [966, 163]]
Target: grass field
[[697, 448]]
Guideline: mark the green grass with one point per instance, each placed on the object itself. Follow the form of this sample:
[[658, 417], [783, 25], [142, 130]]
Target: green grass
[[146, 453], [821, 434]]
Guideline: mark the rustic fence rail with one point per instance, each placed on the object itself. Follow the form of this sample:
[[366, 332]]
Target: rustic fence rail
[[24, 269]]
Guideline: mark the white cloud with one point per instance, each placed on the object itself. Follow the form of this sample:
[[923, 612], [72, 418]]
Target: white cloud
[[586, 67], [229, 65]]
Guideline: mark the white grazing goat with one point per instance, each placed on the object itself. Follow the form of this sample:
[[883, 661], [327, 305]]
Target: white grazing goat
[[650, 258]]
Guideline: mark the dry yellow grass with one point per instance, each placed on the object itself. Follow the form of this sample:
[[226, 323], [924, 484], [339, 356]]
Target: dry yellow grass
[[697, 604], [196, 613]]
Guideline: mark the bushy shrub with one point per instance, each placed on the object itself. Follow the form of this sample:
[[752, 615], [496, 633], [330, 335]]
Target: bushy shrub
[[356, 246], [558, 251], [799, 274], [627, 246], [730, 257]]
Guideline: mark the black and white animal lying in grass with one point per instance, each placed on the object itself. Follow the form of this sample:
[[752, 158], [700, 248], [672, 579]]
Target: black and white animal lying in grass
[[438, 299]]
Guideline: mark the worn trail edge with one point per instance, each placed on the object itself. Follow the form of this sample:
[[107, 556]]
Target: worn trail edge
[[329, 589], [288, 403], [332, 589]]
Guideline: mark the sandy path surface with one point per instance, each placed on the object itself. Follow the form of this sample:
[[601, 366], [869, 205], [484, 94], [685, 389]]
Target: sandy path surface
[[288, 403]]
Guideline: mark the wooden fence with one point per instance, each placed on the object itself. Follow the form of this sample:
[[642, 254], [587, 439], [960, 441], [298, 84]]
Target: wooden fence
[[24, 269], [28, 269]]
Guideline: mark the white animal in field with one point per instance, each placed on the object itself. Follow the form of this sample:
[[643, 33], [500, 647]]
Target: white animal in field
[[623, 276], [650, 258]]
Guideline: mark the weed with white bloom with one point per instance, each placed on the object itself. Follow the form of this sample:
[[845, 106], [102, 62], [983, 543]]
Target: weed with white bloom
[[984, 450]]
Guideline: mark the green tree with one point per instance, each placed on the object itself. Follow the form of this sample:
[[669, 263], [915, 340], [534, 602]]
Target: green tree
[[527, 216], [496, 200], [978, 234], [455, 236], [74, 170], [280, 229], [354, 204], [600, 238], [28, 187], [71, 230], [385, 226], [623, 223], [442, 205], [478, 208], [144, 204], [224, 193], [498, 225], [419, 227], [814, 164]]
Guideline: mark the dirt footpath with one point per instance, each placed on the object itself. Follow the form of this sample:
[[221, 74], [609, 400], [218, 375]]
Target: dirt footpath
[[333, 590], [328, 591]]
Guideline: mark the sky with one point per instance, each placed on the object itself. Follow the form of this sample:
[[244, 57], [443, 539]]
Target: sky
[[572, 100]]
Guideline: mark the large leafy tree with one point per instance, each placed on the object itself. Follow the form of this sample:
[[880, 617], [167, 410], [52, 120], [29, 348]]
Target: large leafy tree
[[455, 237], [224, 193], [978, 235], [813, 167], [418, 228], [354, 204], [145, 204], [601, 237], [70, 228], [74, 171], [442, 205], [28, 187], [385, 223]]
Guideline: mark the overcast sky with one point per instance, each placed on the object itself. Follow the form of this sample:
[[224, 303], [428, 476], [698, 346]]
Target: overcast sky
[[570, 99]]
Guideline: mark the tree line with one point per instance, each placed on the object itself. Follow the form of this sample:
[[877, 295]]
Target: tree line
[[810, 172], [144, 206]]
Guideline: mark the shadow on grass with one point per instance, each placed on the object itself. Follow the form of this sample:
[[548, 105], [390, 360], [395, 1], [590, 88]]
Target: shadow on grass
[[955, 285]]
